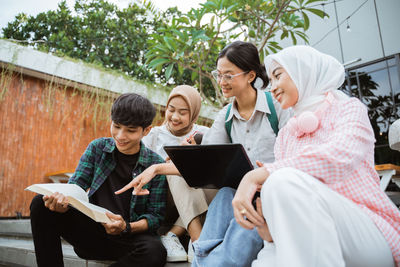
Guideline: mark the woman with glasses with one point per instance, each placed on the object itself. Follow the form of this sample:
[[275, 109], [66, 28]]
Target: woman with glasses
[[248, 121], [241, 76]]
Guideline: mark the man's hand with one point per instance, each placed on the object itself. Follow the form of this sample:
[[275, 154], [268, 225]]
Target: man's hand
[[117, 224], [56, 202]]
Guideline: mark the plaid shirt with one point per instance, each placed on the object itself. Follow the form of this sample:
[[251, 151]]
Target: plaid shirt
[[341, 155], [97, 163]]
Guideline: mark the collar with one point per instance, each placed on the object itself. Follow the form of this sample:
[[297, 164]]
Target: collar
[[143, 152], [261, 105]]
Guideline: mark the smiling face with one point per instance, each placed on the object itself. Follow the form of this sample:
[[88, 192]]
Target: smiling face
[[238, 84], [177, 114], [127, 138], [282, 86]]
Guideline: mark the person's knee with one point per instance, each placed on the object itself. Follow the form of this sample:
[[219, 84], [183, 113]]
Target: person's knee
[[280, 183], [223, 199], [37, 205], [225, 193]]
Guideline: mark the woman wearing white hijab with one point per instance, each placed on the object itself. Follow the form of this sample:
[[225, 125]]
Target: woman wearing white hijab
[[320, 198]]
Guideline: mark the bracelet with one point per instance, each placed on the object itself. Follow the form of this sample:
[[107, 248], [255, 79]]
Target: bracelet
[[127, 230]]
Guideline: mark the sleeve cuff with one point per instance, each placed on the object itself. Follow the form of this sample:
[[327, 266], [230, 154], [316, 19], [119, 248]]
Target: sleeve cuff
[[151, 222]]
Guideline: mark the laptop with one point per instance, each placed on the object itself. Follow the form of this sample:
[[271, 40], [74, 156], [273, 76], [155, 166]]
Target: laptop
[[210, 166]]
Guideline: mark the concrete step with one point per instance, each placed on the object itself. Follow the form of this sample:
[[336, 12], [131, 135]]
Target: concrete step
[[20, 252], [17, 249], [12, 227]]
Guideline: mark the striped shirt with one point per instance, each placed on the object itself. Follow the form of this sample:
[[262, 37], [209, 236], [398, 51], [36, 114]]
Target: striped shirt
[[96, 165], [340, 153]]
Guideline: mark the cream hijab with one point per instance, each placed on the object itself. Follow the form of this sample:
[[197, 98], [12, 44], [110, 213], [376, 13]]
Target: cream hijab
[[193, 100], [314, 74]]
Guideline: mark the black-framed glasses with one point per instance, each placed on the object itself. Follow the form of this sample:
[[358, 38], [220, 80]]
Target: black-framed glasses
[[227, 77]]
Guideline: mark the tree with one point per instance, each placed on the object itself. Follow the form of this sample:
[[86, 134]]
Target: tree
[[187, 43], [98, 33]]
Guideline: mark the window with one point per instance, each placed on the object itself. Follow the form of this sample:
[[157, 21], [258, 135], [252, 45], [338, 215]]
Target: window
[[377, 84]]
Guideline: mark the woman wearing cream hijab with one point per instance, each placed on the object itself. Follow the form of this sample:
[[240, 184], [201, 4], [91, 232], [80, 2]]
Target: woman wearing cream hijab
[[321, 204], [182, 111]]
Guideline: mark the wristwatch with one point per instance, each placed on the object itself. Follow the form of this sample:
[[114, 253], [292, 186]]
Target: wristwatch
[[127, 229]]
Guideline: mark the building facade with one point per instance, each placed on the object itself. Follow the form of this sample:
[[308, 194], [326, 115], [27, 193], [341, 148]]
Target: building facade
[[364, 36]]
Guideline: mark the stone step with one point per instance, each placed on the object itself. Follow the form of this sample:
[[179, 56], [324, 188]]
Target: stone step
[[16, 248], [20, 252], [12, 227]]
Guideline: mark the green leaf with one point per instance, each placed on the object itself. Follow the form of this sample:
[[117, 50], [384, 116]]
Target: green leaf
[[233, 19], [317, 12], [194, 75], [179, 33], [180, 69], [158, 62], [170, 43], [252, 34], [169, 70], [306, 21], [294, 40], [284, 34], [312, 1]]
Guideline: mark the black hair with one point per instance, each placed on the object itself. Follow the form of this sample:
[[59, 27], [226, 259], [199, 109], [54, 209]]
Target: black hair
[[133, 110], [245, 56]]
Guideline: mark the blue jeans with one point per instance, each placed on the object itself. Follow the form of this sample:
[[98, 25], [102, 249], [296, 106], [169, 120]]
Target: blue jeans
[[223, 242]]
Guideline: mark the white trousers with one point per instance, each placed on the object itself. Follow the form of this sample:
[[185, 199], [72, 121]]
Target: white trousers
[[314, 226], [190, 202]]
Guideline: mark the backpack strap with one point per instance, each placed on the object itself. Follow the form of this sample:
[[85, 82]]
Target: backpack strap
[[228, 124], [272, 117]]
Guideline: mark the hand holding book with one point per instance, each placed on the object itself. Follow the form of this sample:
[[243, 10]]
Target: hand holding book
[[56, 202], [74, 196]]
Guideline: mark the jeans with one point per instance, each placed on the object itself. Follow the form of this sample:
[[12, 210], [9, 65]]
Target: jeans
[[89, 239], [223, 242]]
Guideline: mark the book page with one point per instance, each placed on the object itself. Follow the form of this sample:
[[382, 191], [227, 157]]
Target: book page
[[77, 198], [95, 212], [72, 190]]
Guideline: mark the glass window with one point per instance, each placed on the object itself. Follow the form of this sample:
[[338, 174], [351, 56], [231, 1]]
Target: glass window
[[394, 76], [377, 81], [353, 78], [372, 85], [372, 67]]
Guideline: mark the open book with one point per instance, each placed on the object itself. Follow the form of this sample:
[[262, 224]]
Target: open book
[[77, 198]]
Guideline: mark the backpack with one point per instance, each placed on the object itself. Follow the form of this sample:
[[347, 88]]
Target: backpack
[[272, 117]]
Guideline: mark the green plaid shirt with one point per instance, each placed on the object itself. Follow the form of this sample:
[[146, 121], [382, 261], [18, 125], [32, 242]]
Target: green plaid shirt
[[97, 163]]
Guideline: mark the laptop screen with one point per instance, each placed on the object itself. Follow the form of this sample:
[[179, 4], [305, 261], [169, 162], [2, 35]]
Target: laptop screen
[[210, 166]]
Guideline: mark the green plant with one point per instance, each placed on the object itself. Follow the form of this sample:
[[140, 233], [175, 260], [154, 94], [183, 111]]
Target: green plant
[[187, 43]]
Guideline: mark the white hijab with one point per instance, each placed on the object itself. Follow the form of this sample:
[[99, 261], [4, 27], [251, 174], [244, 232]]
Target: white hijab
[[314, 74]]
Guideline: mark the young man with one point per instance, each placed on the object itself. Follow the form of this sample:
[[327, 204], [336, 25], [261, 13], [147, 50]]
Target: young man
[[107, 165]]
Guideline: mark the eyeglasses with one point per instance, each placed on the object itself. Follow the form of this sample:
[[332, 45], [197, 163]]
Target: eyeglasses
[[227, 77]]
